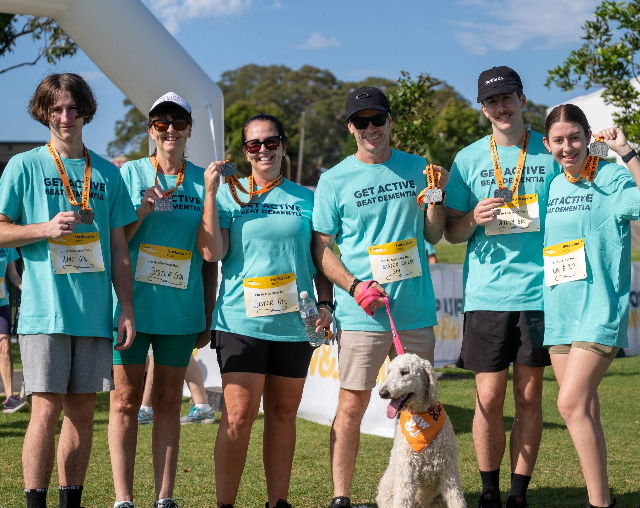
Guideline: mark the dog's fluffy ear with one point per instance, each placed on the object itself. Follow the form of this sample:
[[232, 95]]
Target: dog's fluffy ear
[[430, 377]]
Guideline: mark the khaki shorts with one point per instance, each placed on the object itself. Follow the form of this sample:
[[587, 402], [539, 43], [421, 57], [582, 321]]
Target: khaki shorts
[[361, 354], [609, 352]]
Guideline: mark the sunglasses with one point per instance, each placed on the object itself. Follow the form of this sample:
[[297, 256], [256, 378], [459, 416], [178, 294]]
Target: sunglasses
[[163, 125], [362, 122], [270, 143]]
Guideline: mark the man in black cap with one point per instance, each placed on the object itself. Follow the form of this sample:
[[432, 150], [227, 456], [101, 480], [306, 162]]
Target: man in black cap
[[496, 202], [368, 205]]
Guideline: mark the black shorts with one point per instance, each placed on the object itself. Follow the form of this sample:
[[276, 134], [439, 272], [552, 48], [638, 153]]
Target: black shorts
[[239, 353], [5, 320], [492, 340]]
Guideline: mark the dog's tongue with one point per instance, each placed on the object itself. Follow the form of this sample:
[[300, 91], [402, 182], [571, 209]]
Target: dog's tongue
[[393, 408]]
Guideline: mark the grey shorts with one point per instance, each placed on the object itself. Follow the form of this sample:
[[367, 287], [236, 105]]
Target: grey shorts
[[60, 363]]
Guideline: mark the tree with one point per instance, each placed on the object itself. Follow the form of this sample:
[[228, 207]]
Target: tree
[[608, 58], [132, 137], [534, 116], [56, 44]]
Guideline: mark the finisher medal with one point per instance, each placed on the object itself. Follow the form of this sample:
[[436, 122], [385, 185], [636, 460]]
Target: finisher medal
[[432, 195], [86, 216], [163, 204], [598, 148], [506, 194], [229, 169]]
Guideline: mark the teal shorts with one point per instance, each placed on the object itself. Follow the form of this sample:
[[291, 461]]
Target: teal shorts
[[171, 350]]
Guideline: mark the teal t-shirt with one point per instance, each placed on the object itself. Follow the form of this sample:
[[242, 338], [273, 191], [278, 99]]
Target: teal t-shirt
[[367, 206], [269, 237], [429, 248], [6, 257], [595, 309], [501, 272], [162, 309], [31, 192]]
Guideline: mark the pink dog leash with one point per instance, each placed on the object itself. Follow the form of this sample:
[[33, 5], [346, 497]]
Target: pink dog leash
[[366, 297]]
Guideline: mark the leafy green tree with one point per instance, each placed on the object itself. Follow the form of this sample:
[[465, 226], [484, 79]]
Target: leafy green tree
[[608, 58], [534, 116], [55, 43], [132, 138]]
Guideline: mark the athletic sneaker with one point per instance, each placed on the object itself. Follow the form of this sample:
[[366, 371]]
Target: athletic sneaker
[[517, 502], [490, 499], [197, 415], [340, 502], [145, 417], [169, 503], [280, 504], [124, 504], [14, 404]]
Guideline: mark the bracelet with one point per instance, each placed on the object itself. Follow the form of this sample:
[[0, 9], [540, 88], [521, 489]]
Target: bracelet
[[629, 156], [328, 304], [353, 286], [444, 195]]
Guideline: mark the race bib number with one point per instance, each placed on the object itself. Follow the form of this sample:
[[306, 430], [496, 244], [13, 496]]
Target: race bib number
[[395, 261], [522, 215], [564, 262], [164, 266], [269, 296], [76, 253], [3, 289]]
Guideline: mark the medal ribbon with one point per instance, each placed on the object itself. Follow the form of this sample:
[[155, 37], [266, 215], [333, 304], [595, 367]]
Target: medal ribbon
[[433, 180], [179, 180], [588, 170], [86, 186], [519, 168], [234, 184]]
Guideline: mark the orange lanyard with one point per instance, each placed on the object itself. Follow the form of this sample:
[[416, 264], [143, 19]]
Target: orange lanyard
[[588, 170], [433, 180], [234, 184], [178, 181], [519, 168], [86, 186]]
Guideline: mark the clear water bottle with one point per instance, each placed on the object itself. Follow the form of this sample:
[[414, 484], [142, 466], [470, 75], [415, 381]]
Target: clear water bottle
[[309, 315]]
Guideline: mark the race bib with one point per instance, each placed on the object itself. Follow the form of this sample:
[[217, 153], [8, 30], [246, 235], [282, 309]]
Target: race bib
[[164, 266], [269, 296], [522, 215], [564, 262], [3, 289], [76, 253], [395, 261]]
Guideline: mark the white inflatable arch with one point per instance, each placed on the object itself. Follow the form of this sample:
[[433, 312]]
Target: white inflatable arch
[[142, 59]]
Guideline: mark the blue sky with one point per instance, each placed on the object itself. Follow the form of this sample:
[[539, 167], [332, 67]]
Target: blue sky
[[453, 41]]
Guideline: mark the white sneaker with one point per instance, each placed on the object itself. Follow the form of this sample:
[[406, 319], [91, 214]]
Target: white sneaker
[[145, 417]]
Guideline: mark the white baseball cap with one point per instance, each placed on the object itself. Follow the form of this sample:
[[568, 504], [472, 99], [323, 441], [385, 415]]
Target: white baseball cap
[[172, 97]]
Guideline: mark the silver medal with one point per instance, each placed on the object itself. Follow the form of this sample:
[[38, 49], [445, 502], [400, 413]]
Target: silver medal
[[229, 169], [163, 204], [86, 216], [598, 149], [505, 194], [432, 195]]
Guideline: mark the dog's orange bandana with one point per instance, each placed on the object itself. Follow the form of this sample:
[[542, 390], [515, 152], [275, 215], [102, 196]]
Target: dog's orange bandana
[[419, 429]]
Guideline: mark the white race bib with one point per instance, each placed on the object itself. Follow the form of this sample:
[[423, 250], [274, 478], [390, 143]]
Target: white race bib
[[76, 253], [522, 215], [269, 296], [164, 266], [564, 262], [395, 261], [3, 289]]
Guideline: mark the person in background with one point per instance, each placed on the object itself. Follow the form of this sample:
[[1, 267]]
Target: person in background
[[8, 257], [587, 262], [431, 253]]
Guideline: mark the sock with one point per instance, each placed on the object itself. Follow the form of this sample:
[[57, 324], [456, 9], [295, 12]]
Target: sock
[[490, 480], [36, 498], [70, 497], [519, 485], [148, 409], [203, 407]]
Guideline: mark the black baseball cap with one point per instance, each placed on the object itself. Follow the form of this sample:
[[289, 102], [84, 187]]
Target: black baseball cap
[[497, 80], [366, 97]]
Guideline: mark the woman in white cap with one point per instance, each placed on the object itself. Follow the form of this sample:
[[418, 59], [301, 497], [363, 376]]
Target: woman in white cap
[[167, 260]]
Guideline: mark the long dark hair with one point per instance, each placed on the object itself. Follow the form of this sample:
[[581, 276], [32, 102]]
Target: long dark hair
[[567, 113]]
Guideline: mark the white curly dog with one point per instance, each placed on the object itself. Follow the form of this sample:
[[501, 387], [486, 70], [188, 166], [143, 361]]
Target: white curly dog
[[429, 479]]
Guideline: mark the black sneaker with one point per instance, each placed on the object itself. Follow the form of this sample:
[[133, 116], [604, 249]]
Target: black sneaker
[[280, 504], [222, 505], [612, 505], [13, 404], [340, 502], [169, 503], [490, 499], [517, 502]]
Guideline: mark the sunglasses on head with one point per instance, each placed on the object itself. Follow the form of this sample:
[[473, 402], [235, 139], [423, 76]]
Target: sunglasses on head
[[362, 122], [163, 125], [270, 143]]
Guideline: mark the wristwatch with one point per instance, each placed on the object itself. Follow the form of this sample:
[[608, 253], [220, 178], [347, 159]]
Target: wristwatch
[[328, 304], [626, 158], [444, 195]]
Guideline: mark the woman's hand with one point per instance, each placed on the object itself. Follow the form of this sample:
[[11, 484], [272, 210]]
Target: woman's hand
[[212, 177], [615, 139], [325, 318], [148, 198]]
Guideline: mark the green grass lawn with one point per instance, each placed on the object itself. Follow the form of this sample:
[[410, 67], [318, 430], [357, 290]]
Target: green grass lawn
[[557, 482]]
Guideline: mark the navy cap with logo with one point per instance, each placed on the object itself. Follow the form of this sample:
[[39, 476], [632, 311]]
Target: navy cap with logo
[[366, 97], [498, 80]]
